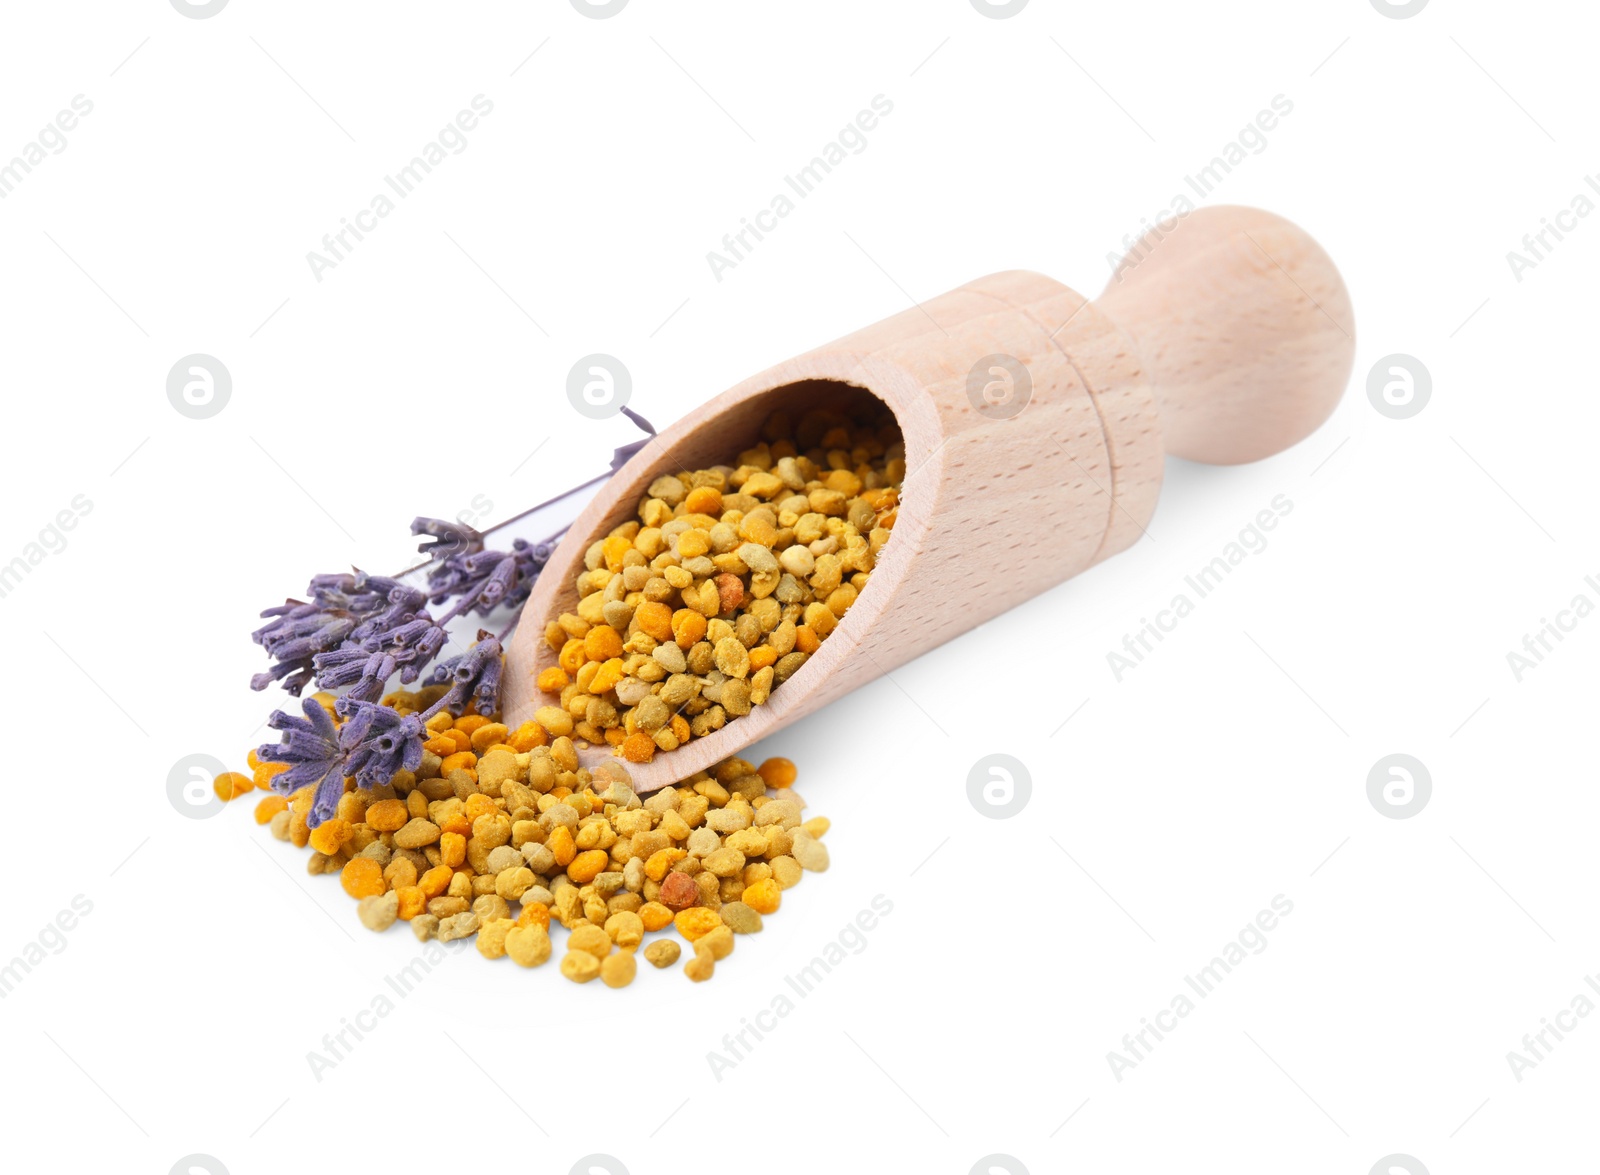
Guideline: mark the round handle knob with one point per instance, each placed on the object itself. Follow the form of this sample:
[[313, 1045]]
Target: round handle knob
[[1244, 327]]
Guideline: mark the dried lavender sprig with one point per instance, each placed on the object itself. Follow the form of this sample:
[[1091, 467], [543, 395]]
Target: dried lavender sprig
[[358, 630], [300, 630], [376, 741]]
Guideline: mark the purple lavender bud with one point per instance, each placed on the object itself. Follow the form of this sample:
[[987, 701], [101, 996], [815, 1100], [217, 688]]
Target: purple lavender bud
[[341, 667], [470, 665], [412, 631], [481, 562], [262, 680], [487, 689], [428, 647], [379, 668], [358, 719], [501, 580], [310, 625], [303, 648], [414, 658], [289, 611]]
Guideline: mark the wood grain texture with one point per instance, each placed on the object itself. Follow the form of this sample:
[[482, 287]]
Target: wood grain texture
[[1245, 328], [995, 509]]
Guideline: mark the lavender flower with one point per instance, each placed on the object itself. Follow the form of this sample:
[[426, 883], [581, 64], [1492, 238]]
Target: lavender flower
[[357, 631], [374, 744], [481, 579], [473, 677], [401, 638], [403, 603], [297, 634], [299, 630], [531, 558], [379, 741], [311, 747]]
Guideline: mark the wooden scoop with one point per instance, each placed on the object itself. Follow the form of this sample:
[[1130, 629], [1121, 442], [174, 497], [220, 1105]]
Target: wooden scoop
[[1036, 424]]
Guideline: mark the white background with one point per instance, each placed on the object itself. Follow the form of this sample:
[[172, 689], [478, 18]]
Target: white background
[[420, 373]]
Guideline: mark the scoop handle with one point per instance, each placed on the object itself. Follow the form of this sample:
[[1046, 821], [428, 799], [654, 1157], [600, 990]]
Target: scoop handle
[[1244, 328]]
